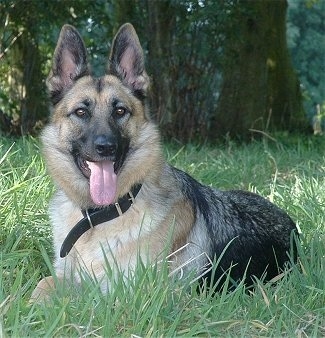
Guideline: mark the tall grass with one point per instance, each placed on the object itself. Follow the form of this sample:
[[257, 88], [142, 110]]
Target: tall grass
[[288, 170]]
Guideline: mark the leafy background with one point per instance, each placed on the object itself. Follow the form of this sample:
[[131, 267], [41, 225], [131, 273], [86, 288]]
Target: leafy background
[[191, 48]]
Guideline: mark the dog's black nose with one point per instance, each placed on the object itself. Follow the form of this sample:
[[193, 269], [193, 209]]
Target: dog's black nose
[[105, 146]]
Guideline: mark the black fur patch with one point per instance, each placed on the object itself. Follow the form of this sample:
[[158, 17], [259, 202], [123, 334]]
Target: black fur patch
[[99, 83]]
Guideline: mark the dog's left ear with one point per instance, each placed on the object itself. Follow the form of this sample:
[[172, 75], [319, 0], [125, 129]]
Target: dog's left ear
[[127, 60]]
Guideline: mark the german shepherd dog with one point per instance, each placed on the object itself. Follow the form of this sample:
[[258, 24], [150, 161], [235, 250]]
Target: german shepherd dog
[[118, 200]]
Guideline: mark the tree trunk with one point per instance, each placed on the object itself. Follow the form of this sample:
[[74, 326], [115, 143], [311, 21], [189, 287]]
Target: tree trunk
[[260, 89], [161, 18]]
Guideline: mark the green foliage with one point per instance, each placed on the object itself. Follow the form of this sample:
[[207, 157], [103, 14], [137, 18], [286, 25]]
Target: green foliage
[[306, 27], [184, 42], [28, 34], [288, 170]]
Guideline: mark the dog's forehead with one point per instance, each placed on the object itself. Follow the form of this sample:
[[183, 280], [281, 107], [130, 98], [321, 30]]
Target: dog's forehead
[[100, 90]]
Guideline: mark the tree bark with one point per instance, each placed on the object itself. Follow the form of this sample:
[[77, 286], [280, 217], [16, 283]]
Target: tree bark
[[33, 102], [161, 18], [260, 89]]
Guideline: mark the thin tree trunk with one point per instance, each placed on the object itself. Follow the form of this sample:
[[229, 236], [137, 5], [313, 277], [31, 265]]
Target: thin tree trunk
[[161, 21]]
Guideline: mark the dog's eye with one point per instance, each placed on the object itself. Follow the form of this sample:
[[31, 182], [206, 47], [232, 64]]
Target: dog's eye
[[120, 111], [80, 112]]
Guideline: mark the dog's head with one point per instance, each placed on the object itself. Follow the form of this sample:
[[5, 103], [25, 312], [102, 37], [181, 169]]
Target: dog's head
[[100, 131]]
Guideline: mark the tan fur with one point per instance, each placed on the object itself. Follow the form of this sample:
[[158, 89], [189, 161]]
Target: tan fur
[[142, 230]]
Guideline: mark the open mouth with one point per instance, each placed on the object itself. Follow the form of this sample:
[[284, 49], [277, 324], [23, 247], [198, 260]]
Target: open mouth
[[102, 179], [83, 166]]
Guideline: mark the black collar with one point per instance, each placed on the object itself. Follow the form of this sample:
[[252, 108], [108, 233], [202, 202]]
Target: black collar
[[93, 217]]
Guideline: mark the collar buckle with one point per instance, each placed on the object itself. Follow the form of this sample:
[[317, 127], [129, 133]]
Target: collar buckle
[[89, 219], [131, 197], [118, 208]]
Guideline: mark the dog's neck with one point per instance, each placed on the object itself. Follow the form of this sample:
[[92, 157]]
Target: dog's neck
[[95, 216]]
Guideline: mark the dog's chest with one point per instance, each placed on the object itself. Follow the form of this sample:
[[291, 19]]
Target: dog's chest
[[115, 242]]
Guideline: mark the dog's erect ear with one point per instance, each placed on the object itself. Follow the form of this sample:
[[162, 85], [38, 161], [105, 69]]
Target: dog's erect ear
[[69, 63], [127, 60]]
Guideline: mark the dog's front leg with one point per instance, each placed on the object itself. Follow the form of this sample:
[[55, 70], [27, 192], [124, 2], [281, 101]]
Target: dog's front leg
[[43, 290]]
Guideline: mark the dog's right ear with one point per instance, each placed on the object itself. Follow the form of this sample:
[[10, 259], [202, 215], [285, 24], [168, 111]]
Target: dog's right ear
[[69, 63]]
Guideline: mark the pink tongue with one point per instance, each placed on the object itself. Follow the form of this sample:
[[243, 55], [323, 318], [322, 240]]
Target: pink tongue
[[102, 182]]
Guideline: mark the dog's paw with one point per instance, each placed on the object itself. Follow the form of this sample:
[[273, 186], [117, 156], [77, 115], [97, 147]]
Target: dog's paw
[[43, 290]]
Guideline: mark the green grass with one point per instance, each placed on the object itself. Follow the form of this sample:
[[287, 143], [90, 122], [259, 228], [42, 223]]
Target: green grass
[[290, 171]]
